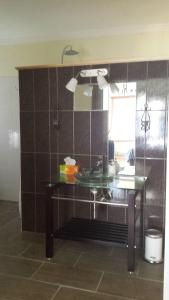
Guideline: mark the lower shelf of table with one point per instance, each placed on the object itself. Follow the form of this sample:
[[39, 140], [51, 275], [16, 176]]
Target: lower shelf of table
[[78, 229]]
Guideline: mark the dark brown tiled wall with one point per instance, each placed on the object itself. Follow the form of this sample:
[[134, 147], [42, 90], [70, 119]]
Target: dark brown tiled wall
[[51, 130]]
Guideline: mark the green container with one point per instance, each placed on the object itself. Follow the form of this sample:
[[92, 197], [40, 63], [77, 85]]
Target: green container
[[62, 169]]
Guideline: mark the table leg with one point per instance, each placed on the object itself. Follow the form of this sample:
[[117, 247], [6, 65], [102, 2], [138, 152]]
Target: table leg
[[49, 221], [131, 231]]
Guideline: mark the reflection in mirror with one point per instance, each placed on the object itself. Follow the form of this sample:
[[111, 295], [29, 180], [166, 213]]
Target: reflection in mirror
[[119, 99], [89, 97], [121, 132]]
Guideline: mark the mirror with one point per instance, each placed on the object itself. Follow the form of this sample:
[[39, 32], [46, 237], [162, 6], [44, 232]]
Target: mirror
[[119, 99], [89, 97], [121, 124]]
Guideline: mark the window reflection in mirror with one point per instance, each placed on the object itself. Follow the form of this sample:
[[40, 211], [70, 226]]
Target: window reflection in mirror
[[121, 131], [120, 102]]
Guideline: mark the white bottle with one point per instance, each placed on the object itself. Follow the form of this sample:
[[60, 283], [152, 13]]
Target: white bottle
[[112, 168]]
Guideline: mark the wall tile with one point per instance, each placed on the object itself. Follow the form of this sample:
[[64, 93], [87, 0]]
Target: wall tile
[[27, 131], [82, 210], [155, 185], [65, 211], [117, 215], [26, 90], [154, 217], [101, 212], [82, 192], [118, 72], [54, 165], [66, 190], [82, 160], [42, 170], [157, 69], [41, 89], [140, 136], [137, 71], [65, 132], [65, 96], [53, 88], [157, 93], [42, 131], [40, 216], [155, 136], [54, 131], [82, 132], [139, 167], [28, 172], [28, 211], [99, 132], [141, 94]]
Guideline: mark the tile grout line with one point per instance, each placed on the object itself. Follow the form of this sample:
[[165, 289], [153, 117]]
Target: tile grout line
[[14, 276], [65, 286], [77, 260], [23, 258], [34, 273], [149, 279], [23, 251], [101, 277], [29, 279], [55, 293], [94, 292], [8, 223]]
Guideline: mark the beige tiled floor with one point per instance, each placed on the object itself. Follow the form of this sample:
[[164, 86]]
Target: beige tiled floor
[[78, 270]]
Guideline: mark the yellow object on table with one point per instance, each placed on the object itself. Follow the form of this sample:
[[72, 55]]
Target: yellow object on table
[[69, 169]]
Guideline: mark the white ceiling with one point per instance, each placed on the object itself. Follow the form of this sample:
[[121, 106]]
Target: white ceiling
[[42, 20]]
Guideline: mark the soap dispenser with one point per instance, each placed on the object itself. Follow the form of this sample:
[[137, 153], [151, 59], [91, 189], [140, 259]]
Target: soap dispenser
[[112, 167]]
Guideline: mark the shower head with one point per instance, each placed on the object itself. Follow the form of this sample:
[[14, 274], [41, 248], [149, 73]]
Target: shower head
[[71, 52], [68, 51]]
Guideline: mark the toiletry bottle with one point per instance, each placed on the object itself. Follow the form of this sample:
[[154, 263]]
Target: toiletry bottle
[[112, 170]]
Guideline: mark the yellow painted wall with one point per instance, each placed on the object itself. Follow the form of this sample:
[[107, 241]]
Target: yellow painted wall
[[124, 47]]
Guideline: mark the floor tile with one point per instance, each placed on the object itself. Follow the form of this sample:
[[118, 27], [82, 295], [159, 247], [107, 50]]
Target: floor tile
[[147, 290], [17, 266], [31, 237], [91, 247], [103, 263], [90, 259], [11, 230], [65, 256], [13, 247], [72, 294], [21, 289], [130, 286], [119, 252], [6, 218], [6, 206], [150, 271], [118, 284], [75, 277]]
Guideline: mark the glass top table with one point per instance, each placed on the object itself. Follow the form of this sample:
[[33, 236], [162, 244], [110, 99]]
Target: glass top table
[[132, 184], [128, 182]]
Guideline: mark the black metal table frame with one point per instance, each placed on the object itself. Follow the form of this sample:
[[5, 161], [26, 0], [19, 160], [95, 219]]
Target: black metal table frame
[[131, 196]]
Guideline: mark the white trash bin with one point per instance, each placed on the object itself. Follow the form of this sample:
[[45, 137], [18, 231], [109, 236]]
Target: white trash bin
[[153, 246]]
